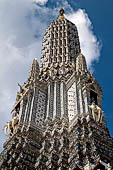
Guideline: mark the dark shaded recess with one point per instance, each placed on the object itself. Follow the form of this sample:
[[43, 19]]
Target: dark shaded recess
[[93, 97], [99, 166]]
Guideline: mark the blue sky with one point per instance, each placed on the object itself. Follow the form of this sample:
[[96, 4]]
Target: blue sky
[[22, 25]]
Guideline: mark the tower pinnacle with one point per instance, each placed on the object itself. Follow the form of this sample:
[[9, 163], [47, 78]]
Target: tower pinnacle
[[34, 71], [61, 11], [61, 16], [60, 48]]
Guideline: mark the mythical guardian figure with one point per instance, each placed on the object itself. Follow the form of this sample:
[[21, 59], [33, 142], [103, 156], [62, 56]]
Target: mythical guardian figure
[[96, 112], [11, 126]]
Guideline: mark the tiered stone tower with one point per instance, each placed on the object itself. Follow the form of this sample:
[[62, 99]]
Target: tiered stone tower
[[57, 120]]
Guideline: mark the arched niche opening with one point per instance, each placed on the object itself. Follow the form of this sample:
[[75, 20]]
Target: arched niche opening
[[93, 97]]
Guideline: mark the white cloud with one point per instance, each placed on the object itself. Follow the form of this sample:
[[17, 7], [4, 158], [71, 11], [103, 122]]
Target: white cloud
[[42, 2], [90, 47]]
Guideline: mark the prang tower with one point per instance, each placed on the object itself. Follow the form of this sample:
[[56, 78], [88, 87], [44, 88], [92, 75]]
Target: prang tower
[[57, 120]]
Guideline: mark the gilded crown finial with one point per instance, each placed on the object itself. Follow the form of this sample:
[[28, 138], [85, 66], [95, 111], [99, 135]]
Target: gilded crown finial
[[61, 13]]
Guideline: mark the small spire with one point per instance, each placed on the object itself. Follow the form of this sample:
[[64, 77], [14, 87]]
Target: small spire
[[61, 16], [81, 63], [34, 71]]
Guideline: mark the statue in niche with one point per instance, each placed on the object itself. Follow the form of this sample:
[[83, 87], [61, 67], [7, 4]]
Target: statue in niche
[[11, 126], [96, 112]]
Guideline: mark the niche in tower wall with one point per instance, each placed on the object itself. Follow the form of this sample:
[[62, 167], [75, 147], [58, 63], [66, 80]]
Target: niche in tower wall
[[93, 97], [99, 166], [17, 109]]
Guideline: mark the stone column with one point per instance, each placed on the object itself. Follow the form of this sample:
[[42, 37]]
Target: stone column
[[23, 106], [72, 101], [31, 109], [20, 112], [28, 108], [80, 100], [58, 99], [85, 98], [62, 98], [51, 100], [75, 98], [55, 100], [48, 102]]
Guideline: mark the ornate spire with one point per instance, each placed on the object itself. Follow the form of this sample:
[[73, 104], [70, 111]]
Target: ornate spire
[[34, 71], [60, 48]]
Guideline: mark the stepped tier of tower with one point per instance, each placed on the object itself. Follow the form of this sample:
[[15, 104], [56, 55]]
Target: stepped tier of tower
[[59, 145], [57, 120]]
